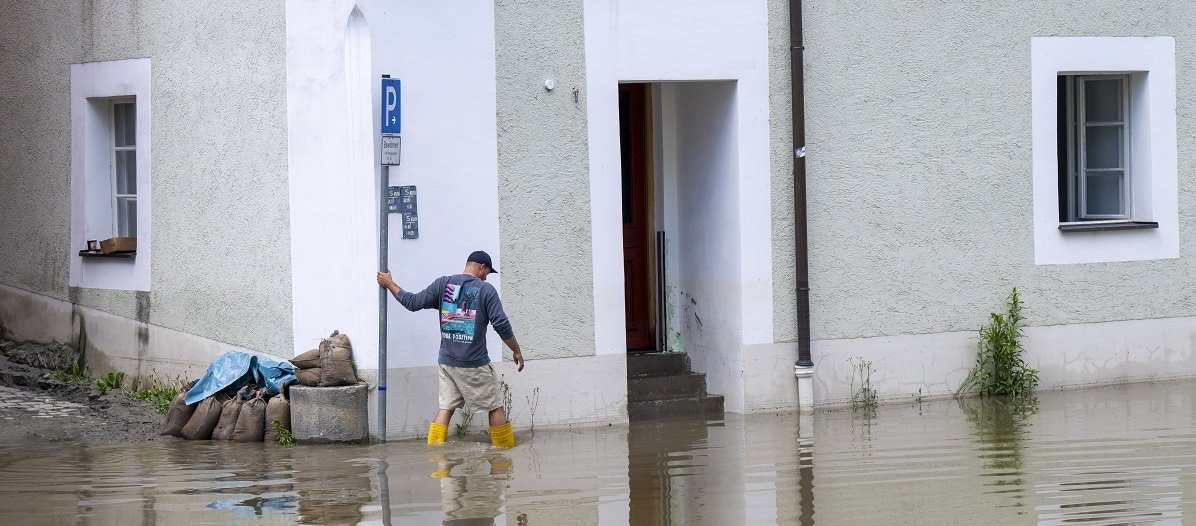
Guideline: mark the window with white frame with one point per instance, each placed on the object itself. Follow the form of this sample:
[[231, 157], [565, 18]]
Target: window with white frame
[[1103, 150], [111, 193], [123, 120], [1095, 175]]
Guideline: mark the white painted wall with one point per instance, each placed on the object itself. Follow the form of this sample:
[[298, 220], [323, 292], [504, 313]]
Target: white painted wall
[[1075, 355], [679, 41], [111, 342], [708, 236], [448, 153], [333, 231]]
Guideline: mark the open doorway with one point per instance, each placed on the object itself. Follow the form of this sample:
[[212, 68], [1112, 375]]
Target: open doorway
[[635, 132]]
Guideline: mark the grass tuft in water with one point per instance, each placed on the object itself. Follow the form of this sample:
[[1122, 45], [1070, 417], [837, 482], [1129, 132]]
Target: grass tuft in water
[[865, 396], [1000, 369], [285, 438], [466, 420], [507, 398]]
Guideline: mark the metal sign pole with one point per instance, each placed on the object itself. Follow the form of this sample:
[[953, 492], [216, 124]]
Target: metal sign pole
[[383, 248], [391, 144]]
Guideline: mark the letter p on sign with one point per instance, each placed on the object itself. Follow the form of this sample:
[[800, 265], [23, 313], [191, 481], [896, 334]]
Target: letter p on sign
[[391, 106]]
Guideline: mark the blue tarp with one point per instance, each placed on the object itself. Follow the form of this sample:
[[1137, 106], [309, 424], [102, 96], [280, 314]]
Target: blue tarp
[[237, 369]]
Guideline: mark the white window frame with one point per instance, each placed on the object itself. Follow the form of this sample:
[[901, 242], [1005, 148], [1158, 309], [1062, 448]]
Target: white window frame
[[1077, 126], [120, 223], [1153, 200], [94, 88]]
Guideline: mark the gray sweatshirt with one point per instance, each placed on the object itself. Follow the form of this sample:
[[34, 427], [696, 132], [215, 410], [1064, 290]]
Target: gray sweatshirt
[[467, 304]]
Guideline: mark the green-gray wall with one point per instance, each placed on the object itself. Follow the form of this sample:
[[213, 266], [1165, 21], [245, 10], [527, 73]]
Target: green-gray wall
[[544, 176], [919, 133], [221, 247]]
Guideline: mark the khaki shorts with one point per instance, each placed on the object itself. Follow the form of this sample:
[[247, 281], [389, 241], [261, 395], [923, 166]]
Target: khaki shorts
[[475, 385]]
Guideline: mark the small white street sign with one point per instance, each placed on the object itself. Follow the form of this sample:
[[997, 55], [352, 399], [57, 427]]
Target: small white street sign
[[392, 147]]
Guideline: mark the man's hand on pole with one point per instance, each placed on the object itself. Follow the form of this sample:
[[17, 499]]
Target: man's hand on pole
[[385, 281]]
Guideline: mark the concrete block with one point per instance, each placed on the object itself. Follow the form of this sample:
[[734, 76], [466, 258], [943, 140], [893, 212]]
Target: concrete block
[[330, 414]]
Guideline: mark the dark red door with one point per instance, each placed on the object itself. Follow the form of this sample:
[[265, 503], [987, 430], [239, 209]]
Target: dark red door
[[633, 137]]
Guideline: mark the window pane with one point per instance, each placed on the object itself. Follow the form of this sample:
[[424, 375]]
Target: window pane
[[1104, 193], [124, 122], [126, 218], [126, 172], [1102, 100], [1102, 146]]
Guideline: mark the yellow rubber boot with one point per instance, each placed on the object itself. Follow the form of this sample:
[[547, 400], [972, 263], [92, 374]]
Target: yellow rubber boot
[[436, 433], [502, 436]]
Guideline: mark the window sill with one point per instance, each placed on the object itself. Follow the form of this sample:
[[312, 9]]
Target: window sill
[[124, 255], [1102, 226]]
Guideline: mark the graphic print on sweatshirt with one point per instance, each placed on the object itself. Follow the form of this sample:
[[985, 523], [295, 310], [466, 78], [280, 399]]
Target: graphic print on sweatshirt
[[458, 309]]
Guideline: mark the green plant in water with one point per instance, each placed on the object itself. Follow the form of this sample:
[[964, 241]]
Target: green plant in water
[[110, 381], [157, 393], [999, 368], [462, 426], [865, 396], [285, 438], [533, 402]]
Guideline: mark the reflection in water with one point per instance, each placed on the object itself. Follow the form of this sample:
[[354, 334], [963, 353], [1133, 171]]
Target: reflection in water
[[1103, 456], [1000, 424], [471, 487]]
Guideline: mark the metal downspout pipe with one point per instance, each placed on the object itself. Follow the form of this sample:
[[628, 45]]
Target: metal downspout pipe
[[804, 368]]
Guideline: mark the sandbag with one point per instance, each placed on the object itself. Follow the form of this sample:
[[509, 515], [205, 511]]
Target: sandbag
[[307, 360], [278, 409], [309, 377], [251, 420], [337, 361], [203, 420], [177, 416], [228, 416]]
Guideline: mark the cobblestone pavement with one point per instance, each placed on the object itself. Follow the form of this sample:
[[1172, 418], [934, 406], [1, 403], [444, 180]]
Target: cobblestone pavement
[[16, 403]]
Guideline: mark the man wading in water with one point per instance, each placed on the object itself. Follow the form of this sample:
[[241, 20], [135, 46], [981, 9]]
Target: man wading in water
[[467, 305]]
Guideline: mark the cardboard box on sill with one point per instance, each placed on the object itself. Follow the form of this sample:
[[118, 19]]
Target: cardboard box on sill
[[118, 244]]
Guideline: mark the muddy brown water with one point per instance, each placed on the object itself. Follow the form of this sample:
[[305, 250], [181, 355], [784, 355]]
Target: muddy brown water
[[1117, 455]]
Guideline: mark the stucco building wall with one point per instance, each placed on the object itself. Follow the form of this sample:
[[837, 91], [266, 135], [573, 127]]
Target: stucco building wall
[[543, 175], [920, 192], [780, 123], [220, 260], [920, 182]]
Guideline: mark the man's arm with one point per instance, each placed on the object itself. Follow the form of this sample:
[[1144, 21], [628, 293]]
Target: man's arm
[[515, 353], [425, 299], [502, 325]]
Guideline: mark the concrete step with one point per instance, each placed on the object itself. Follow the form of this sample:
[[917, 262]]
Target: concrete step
[[688, 385], [657, 364], [709, 407]]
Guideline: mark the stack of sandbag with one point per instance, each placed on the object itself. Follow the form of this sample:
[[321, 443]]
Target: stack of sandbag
[[330, 365], [178, 414], [251, 420], [278, 409], [246, 416], [203, 421], [228, 416]]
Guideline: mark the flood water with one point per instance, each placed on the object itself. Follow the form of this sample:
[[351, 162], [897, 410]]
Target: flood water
[[1117, 455]]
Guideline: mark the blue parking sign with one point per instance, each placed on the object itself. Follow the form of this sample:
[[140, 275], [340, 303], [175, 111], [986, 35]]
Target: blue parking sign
[[391, 104]]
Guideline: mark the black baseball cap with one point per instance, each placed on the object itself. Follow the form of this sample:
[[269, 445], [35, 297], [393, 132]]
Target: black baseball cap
[[479, 256]]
